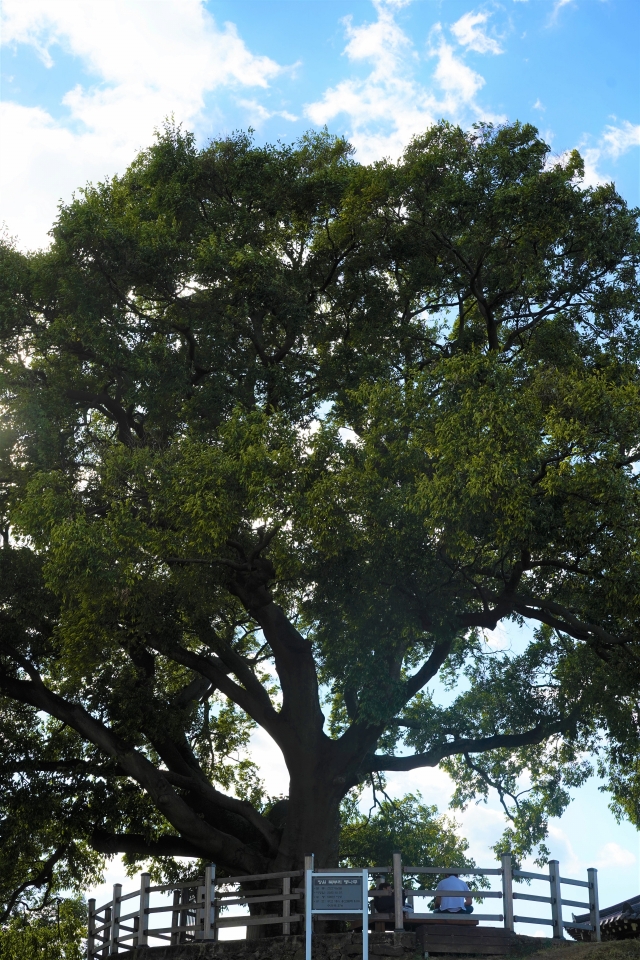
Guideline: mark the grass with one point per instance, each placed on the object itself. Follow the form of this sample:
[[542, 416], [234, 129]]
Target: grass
[[609, 950]]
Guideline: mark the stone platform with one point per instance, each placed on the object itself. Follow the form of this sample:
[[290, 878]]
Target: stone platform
[[348, 946], [328, 946]]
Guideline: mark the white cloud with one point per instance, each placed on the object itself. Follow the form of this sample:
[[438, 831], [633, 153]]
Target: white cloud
[[612, 855], [617, 140], [562, 849], [593, 176], [614, 142], [390, 105], [273, 769], [469, 32], [459, 81], [538, 105], [149, 58], [258, 113], [172, 46], [557, 7]]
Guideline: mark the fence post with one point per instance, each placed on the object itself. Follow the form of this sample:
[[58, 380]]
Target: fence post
[[106, 933], [115, 918], [507, 892], [175, 918], [91, 926], [594, 906], [201, 912], [309, 864], [184, 915], [398, 891], [209, 894], [143, 919], [286, 906], [556, 899]]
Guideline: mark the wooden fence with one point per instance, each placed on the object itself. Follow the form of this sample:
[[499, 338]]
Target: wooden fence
[[198, 907]]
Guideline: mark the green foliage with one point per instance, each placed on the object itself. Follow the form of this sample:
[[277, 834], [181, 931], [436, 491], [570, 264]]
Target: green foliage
[[275, 422], [405, 824], [53, 934]]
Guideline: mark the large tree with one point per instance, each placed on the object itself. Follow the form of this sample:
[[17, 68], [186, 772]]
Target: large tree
[[284, 435]]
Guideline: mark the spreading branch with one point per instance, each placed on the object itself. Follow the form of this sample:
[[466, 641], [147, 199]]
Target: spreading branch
[[192, 828], [432, 757]]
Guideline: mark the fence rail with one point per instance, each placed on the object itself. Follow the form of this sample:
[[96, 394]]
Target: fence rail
[[194, 912]]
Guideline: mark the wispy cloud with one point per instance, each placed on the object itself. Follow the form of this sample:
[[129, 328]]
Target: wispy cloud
[[458, 80], [469, 32], [614, 142], [390, 104], [557, 7], [617, 140], [613, 855], [257, 113], [149, 60], [174, 47]]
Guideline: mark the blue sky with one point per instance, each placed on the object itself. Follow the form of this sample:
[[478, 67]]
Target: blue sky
[[85, 82]]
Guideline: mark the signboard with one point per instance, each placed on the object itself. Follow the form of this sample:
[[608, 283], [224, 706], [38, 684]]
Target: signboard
[[336, 893]]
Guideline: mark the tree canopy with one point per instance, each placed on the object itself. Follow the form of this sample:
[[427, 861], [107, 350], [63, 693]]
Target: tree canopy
[[284, 436]]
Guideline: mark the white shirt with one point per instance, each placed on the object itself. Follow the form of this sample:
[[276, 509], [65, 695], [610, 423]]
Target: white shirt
[[453, 904]]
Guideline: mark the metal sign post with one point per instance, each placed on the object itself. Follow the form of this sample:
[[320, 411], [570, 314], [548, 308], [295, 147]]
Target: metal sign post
[[337, 893]]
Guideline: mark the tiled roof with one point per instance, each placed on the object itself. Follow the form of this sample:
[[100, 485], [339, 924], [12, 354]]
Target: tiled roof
[[619, 922]]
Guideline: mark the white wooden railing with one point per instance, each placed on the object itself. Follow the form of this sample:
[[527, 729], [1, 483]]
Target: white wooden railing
[[195, 910], [198, 908]]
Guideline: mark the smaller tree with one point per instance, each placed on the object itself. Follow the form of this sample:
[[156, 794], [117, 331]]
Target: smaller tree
[[405, 824]]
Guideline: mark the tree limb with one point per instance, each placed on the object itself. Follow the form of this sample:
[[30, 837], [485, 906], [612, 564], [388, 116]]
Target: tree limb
[[428, 669], [192, 828], [433, 756], [140, 845], [44, 875], [259, 707], [225, 802]]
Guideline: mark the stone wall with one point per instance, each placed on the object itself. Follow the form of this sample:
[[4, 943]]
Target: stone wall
[[329, 946]]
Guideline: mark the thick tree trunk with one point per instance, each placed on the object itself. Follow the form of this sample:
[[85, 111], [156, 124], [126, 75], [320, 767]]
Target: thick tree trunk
[[313, 821], [311, 826]]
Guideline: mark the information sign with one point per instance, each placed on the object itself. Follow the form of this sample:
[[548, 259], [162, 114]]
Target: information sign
[[337, 893]]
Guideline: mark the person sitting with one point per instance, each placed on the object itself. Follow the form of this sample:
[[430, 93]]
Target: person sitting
[[448, 904], [384, 903]]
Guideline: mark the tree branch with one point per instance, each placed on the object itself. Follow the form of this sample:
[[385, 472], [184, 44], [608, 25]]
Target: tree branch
[[192, 828], [562, 618], [140, 845], [44, 875], [428, 669], [241, 807], [235, 664], [113, 409], [258, 707], [496, 785], [433, 756]]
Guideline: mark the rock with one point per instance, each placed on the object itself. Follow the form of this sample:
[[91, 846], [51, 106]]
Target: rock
[[330, 946]]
